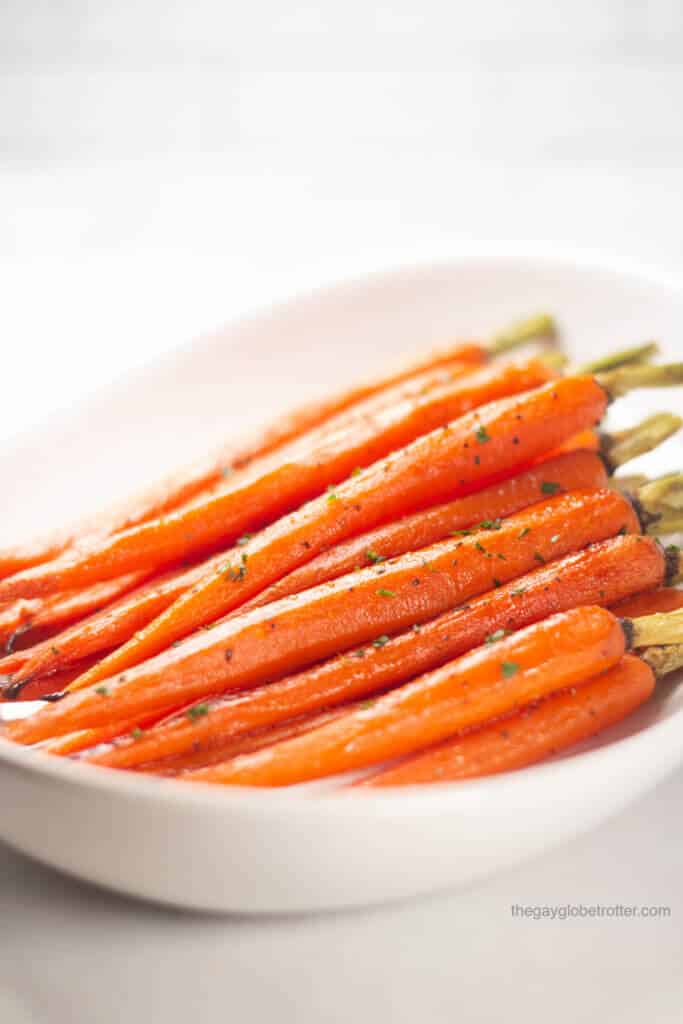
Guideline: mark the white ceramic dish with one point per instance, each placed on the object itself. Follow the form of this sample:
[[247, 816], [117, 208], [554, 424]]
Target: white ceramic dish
[[309, 849]]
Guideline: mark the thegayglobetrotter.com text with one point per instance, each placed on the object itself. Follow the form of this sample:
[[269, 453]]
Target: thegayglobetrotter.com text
[[572, 911]]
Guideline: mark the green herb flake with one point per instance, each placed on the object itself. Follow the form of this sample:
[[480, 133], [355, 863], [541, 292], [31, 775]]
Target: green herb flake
[[549, 487], [356, 471], [509, 668], [332, 494], [102, 690], [523, 533], [493, 638], [197, 711], [517, 591], [383, 592], [373, 557], [539, 557], [380, 641], [554, 539], [496, 582], [490, 524], [366, 704], [136, 733], [244, 539], [481, 435]]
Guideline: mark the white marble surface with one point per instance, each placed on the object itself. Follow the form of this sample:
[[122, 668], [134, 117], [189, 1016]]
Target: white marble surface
[[164, 167]]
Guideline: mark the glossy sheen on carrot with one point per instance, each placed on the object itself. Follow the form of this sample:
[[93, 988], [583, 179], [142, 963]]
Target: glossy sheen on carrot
[[562, 651], [577, 470], [117, 623], [274, 485], [663, 599], [488, 444], [108, 628], [268, 643], [550, 727], [183, 486], [600, 574]]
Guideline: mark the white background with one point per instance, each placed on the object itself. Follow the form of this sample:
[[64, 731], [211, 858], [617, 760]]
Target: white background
[[166, 166]]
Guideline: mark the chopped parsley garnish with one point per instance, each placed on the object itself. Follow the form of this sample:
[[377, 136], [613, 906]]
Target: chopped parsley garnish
[[373, 557], [102, 690], [244, 539], [517, 591], [481, 435], [493, 638], [509, 668], [539, 557], [380, 641], [549, 487], [332, 494], [383, 592], [523, 533], [136, 733], [198, 711], [366, 704], [489, 524], [356, 471]]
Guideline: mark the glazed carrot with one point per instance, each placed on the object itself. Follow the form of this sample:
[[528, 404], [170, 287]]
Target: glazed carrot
[[664, 599], [562, 651], [38, 618], [556, 723], [186, 484], [44, 686], [106, 629], [267, 643], [278, 483], [246, 743], [602, 573], [577, 470], [15, 619], [487, 444], [118, 623]]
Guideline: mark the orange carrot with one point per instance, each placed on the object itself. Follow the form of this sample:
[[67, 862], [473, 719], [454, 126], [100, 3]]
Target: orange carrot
[[488, 444], [577, 470], [549, 727], [278, 483], [268, 643], [665, 599], [106, 629], [185, 485], [15, 619], [43, 686], [562, 651], [602, 573], [117, 623], [247, 743], [40, 618]]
